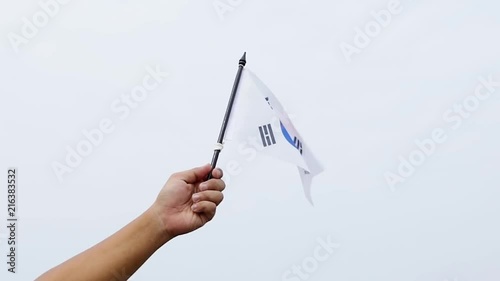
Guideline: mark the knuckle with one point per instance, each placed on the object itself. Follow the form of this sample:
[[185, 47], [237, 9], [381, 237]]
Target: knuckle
[[207, 196], [214, 184], [215, 196], [203, 206]]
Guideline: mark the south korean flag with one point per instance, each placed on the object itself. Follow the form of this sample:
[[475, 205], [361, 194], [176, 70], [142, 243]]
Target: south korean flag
[[257, 114]]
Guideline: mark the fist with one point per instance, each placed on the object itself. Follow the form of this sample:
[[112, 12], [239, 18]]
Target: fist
[[188, 201]]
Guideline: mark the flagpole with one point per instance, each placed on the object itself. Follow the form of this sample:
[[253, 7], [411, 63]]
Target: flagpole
[[220, 139]]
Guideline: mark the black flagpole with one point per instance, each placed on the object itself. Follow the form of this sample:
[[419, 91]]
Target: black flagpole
[[217, 150]]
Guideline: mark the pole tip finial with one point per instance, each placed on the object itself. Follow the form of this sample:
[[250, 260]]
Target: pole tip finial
[[243, 60]]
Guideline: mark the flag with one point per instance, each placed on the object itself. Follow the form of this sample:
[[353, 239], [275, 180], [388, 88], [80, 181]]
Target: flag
[[257, 114]]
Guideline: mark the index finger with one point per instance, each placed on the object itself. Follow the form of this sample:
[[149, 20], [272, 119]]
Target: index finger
[[217, 173]]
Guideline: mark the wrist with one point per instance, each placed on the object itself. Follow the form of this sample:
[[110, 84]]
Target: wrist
[[158, 227]]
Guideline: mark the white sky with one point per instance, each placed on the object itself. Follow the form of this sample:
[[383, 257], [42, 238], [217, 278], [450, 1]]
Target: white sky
[[440, 224]]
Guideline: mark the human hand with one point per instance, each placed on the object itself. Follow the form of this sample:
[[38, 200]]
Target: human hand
[[187, 202]]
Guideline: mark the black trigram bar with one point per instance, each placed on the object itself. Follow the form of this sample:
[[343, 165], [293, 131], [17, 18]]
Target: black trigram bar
[[267, 135], [298, 144]]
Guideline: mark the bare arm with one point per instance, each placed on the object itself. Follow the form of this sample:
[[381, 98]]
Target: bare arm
[[184, 204]]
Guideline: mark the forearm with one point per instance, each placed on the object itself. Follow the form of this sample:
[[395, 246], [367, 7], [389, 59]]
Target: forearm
[[117, 257]]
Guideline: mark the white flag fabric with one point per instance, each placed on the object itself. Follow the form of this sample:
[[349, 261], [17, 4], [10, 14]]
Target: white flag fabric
[[258, 117]]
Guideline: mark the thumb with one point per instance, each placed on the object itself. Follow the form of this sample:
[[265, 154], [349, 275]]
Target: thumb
[[194, 175]]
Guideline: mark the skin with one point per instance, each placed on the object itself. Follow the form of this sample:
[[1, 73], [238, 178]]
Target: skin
[[185, 203]]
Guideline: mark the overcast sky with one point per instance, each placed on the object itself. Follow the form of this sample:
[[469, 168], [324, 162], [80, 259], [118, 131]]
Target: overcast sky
[[399, 100]]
